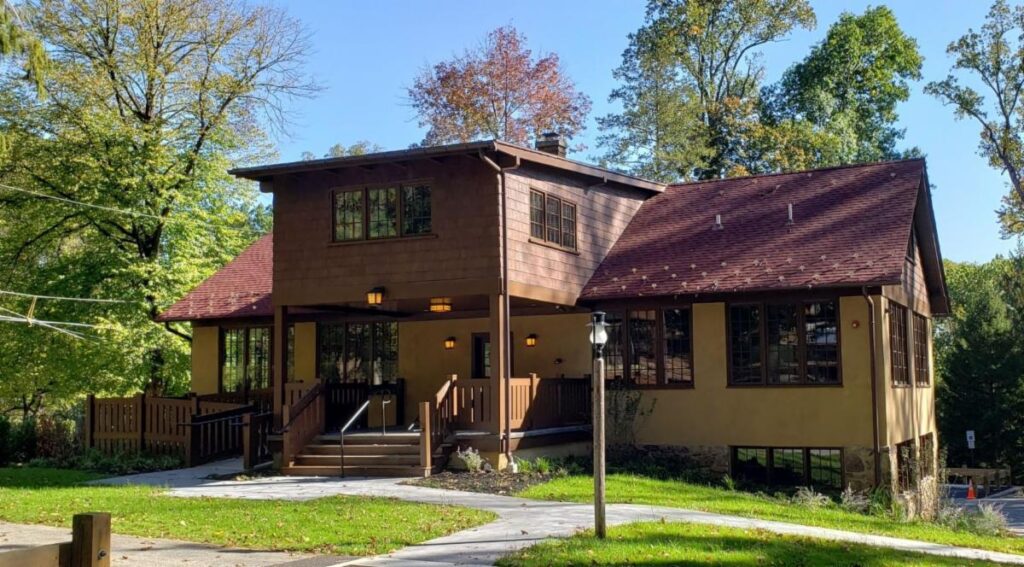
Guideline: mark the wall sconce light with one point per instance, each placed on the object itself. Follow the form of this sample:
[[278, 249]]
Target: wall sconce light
[[375, 296], [449, 343], [440, 304], [531, 340]]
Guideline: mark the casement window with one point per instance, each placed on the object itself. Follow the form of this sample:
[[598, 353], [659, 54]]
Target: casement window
[[552, 220], [788, 466], [927, 455], [922, 370], [898, 351], [357, 352], [906, 457], [650, 347], [372, 213], [245, 358], [778, 344]]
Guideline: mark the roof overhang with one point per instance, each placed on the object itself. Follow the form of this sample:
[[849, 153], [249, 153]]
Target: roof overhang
[[265, 173]]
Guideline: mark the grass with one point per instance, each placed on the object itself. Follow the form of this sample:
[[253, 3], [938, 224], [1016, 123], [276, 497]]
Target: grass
[[338, 525], [626, 488], [654, 543]]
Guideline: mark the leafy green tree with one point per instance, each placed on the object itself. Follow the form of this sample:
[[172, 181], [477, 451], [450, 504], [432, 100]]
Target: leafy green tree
[[17, 41], [148, 104], [362, 147], [842, 97], [980, 361], [690, 77], [993, 59]]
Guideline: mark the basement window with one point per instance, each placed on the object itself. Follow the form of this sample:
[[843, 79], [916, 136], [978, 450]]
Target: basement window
[[789, 466]]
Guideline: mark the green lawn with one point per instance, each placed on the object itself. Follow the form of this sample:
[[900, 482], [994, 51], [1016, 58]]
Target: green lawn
[[677, 494], [338, 525], [691, 544]]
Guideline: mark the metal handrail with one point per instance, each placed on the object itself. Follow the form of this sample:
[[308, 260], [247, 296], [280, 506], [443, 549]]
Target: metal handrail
[[344, 428]]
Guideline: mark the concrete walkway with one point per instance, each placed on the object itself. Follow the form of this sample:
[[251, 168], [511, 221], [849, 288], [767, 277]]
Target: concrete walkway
[[131, 551], [523, 522]]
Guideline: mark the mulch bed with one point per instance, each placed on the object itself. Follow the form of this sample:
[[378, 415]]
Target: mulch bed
[[504, 483]]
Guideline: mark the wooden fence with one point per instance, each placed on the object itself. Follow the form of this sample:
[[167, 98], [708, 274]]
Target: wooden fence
[[535, 402], [89, 547], [195, 429]]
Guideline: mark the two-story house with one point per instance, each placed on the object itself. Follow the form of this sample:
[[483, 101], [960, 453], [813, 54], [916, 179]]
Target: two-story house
[[777, 327]]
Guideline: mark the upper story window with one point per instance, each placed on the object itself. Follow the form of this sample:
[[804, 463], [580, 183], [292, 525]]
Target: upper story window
[[784, 344], [552, 220], [391, 211]]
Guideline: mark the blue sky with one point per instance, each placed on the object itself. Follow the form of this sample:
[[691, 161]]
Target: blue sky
[[367, 53]]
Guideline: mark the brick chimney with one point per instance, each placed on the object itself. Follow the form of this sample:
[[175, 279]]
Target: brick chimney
[[552, 143]]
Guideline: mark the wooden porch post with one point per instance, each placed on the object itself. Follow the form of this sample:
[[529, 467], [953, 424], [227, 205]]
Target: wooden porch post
[[499, 368], [280, 373]]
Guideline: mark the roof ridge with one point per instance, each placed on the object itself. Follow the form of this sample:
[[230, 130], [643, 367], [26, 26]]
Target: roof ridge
[[813, 170]]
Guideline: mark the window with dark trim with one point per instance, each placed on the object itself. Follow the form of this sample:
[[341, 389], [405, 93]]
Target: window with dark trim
[[898, 344], [552, 220], [789, 466], [357, 352], [391, 211], [245, 358], [905, 463], [779, 344], [480, 357], [650, 347], [927, 455], [922, 370]]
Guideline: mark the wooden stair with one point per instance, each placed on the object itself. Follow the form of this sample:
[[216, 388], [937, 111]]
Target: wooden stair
[[367, 454]]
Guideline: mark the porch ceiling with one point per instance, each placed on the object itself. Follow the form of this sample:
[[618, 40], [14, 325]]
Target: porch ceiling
[[463, 307]]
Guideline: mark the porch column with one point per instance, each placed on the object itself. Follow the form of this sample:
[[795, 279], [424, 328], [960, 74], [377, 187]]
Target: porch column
[[280, 374], [499, 367]]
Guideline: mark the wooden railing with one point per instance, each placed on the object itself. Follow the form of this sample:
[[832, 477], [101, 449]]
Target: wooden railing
[[256, 430], [262, 399], [437, 420], [194, 429], [538, 403], [472, 399], [89, 546], [302, 421]]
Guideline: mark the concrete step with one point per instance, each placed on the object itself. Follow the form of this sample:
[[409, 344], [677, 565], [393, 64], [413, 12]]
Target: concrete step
[[355, 470], [333, 449], [357, 460]]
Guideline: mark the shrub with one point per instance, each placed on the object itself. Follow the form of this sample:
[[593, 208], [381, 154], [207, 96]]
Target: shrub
[[987, 520], [854, 500], [469, 459], [810, 498], [55, 439], [117, 464], [23, 441], [524, 466], [542, 465], [729, 483]]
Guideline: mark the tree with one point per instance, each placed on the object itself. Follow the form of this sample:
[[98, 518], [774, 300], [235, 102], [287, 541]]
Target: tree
[[148, 104], [689, 76], [16, 41], [499, 91], [362, 147], [846, 91], [980, 361], [994, 59]]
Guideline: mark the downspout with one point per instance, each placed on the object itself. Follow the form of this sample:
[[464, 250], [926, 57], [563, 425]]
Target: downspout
[[506, 371], [876, 447]]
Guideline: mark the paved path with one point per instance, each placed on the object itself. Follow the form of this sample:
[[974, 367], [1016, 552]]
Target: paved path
[[131, 551], [523, 522]]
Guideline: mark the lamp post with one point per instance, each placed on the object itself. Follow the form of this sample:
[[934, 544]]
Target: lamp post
[[598, 338]]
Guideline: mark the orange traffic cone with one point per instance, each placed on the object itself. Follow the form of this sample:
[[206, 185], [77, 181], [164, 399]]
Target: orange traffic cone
[[970, 489]]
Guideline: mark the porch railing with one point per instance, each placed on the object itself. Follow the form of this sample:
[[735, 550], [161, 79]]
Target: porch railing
[[256, 430], [303, 420], [538, 403], [437, 421], [472, 399]]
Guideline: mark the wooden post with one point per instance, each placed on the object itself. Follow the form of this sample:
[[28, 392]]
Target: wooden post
[[248, 459], [280, 362], [453, 395], [425, 445], [90, 540], [140, 415], [499, 380], [286, 444], [88, 421]]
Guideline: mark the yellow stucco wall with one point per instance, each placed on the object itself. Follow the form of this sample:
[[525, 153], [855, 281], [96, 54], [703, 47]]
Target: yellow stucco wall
[[205, 359], [714, 414], [909, 411], [305, 352]]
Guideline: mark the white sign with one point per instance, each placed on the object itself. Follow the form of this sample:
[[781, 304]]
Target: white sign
[[970, 438]]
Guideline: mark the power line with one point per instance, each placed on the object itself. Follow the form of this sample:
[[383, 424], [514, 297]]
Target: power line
[[61, 298]]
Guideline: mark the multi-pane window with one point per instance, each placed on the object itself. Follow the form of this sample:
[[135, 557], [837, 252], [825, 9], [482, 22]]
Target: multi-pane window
[[922, 369], [245, 359], [898, 344], [552, 220], [784, 344], [905, 463], [382, 212], [788, 466], [358, 352], [677, 357], [650, 347]]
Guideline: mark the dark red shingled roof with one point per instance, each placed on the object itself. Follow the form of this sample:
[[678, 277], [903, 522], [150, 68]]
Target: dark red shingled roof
[[240, 289], [851, 227]]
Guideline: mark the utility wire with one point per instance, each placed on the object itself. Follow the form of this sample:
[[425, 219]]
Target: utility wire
[[61, 298]]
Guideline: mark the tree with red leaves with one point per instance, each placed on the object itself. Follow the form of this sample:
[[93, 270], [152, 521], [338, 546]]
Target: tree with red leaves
[[499, 91]]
